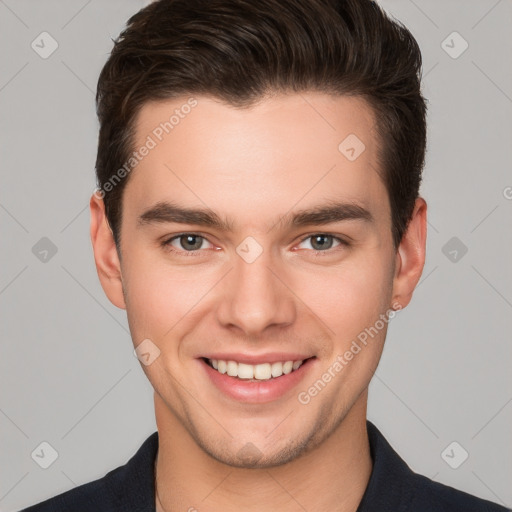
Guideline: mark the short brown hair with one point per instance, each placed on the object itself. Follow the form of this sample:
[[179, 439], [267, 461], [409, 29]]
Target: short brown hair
[[240, 50]]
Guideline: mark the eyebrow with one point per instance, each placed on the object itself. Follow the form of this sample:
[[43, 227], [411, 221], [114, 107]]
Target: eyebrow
[[168, 212]]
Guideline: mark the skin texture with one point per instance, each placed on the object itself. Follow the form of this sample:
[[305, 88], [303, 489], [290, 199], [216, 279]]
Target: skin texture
[[255, 166]]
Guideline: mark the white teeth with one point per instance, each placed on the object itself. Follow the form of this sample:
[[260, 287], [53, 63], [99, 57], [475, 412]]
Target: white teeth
[[245, 371], [263, 371], [277, 369], [222, 366], [287, 367], [232, 369]]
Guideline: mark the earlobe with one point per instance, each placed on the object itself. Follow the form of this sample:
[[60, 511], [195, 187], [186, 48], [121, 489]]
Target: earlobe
[[106, 257], [410, 257]]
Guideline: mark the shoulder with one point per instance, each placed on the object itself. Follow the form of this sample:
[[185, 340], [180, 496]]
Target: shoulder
[[126, 488], [429, 495], [90, 496], [395, 487]]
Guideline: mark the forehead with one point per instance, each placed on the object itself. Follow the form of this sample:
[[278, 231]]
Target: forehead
[[283, 151]]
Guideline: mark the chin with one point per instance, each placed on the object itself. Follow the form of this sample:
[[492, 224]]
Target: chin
[[260, 452]]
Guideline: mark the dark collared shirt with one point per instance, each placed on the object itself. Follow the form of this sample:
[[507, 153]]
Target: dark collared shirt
[[393, 487]]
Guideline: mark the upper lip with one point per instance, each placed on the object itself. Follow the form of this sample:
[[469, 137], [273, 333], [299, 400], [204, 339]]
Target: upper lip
[[269, 357]]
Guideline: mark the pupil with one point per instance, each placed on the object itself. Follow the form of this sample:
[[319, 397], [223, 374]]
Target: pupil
[[322, 245], [190, 239]]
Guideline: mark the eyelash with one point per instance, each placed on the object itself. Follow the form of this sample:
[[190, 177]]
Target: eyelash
[[166, 244]]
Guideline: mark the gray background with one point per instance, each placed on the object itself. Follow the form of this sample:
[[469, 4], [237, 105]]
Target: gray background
[[69, 376]]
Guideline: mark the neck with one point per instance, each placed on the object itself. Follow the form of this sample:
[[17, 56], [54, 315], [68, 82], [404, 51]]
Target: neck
[[333, 476]]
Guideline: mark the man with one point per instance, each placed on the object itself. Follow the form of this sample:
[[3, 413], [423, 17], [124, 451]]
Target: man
[[258, 218]]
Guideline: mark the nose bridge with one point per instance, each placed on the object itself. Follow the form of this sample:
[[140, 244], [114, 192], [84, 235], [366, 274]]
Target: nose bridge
[[255, 298]]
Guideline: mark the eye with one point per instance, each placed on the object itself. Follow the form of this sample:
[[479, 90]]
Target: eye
[[190, 244], [321, 242], [185, 243]]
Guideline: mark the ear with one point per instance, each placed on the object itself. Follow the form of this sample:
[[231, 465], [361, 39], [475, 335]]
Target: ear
[[410, 256], [105, 253]]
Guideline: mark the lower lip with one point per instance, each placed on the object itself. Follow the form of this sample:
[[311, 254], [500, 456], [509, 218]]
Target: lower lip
[[260, 391]]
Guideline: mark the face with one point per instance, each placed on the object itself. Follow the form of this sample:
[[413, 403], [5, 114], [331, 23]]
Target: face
[[253, 241]]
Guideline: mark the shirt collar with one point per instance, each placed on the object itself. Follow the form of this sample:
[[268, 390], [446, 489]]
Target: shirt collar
[[391, 481], [132, 485]]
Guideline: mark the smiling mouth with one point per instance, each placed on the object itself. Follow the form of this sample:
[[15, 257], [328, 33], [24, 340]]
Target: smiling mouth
[[255, 372]]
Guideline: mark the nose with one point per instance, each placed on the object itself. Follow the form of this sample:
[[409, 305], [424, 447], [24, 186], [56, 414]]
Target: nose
[[255, 297]]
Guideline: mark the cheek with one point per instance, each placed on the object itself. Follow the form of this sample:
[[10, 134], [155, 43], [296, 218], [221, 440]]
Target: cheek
[[160, 297], [350, 304], [348, 298]]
